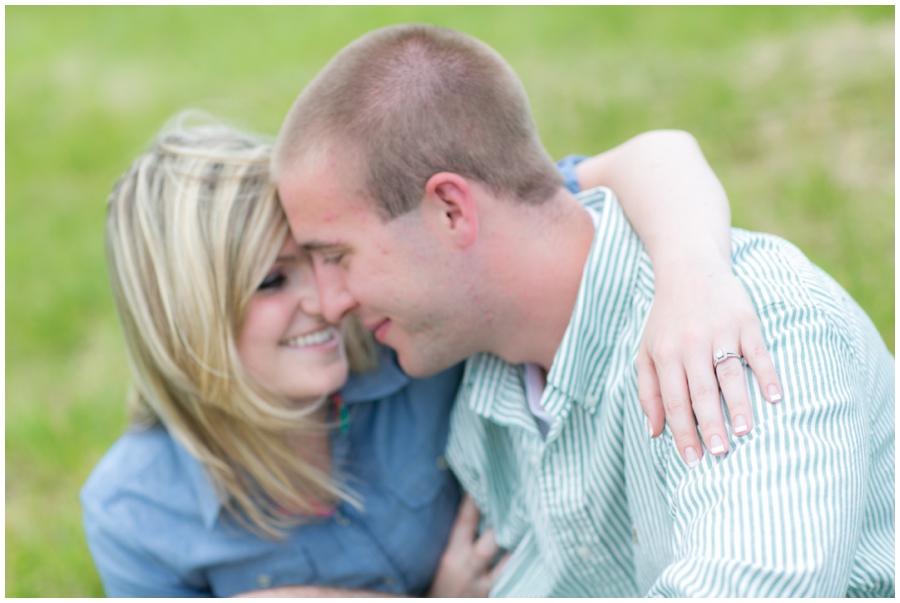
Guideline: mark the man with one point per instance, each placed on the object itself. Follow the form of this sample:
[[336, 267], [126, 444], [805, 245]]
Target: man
[[411, 169]]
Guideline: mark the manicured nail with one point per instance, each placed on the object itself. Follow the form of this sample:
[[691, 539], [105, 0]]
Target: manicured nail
[[740, 425], [774, 394], [690, 457], [715, 445], [649, 427]]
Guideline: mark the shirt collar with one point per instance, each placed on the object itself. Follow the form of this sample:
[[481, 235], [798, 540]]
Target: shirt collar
[[495, 389], [582, 365], [385, 381]]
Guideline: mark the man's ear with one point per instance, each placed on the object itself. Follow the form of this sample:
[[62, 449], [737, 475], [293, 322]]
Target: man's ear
[[450, 205]]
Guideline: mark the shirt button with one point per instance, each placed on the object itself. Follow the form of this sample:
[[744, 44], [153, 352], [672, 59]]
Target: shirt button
[[264, 581], [592, 399], [341, 520], [535, 461], [441, 463], [584, 552], [387, 581]]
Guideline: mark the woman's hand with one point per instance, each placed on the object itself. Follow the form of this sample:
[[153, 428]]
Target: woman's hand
[[700, 311], [678, 207], [467, 568]]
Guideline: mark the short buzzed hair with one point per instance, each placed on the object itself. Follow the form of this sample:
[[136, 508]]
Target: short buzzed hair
[[415, 100]]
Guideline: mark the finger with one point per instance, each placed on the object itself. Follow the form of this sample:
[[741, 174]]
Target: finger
[[648, 393], [498, 568], [463, 532], [679, 414], [759, 359], [734, 388], [485, 549], [707, 403]]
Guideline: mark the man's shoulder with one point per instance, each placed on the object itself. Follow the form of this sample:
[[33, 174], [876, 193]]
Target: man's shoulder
[[793, 295], [777, 273]]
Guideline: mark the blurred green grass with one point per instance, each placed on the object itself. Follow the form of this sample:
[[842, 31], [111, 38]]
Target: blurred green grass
[[793, 106]]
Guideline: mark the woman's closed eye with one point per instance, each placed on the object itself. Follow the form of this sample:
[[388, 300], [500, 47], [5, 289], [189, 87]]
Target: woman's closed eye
[[273, 280]]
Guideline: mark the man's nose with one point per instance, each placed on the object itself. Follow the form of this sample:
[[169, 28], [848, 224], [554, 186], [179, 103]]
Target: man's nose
[[334, 299]]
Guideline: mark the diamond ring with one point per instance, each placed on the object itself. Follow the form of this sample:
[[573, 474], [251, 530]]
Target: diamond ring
[[721, 355]]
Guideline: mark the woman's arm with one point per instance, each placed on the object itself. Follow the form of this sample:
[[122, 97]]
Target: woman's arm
[[679, 209]]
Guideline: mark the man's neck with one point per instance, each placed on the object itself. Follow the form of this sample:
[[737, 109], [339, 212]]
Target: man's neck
[[540, 280]]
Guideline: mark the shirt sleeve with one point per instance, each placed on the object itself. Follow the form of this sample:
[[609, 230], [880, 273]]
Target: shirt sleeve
[[782, 513], [126, 567], [566, 167]]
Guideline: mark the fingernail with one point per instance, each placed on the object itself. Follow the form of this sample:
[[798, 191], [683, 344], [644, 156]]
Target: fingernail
[[649, 427], [715, 445], [690, 457], [774, 394], [740, 425]]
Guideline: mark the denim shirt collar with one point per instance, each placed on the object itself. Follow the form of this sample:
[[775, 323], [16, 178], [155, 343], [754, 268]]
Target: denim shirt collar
[[385, 381]]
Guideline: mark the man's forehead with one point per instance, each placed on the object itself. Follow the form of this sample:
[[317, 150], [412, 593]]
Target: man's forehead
[[307, 187], [327, 157], [324, 187], [321, 221], [324, 199], [324, 210]]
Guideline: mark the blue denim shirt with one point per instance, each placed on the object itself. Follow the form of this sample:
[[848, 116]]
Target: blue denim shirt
[[156, 528], [566, 167]]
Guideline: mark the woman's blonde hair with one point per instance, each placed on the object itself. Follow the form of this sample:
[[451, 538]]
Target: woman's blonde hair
[[191, 230]]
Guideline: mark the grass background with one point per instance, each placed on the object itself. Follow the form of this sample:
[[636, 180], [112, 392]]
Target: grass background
[[793, 106]]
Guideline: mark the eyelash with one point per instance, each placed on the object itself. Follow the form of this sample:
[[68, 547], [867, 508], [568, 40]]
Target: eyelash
[[272, 281], [335, 259]]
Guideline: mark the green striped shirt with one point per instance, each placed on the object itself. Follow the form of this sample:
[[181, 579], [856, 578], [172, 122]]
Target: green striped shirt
[[801, 506]]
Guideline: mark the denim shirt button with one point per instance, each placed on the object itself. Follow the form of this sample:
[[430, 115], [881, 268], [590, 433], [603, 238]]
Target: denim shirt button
[[441, 463], [264, 581]]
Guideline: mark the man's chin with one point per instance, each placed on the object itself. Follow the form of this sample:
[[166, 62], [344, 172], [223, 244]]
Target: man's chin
[[415, 365]]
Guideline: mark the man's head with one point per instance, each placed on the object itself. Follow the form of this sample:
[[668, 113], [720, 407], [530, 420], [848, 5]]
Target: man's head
[[414, 100], [381, 164]]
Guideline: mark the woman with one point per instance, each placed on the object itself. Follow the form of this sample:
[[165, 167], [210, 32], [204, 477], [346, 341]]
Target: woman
[[242, 471]]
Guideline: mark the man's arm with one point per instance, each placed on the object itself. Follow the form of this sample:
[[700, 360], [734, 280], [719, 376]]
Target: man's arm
[[784, 513], [679, 209]]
